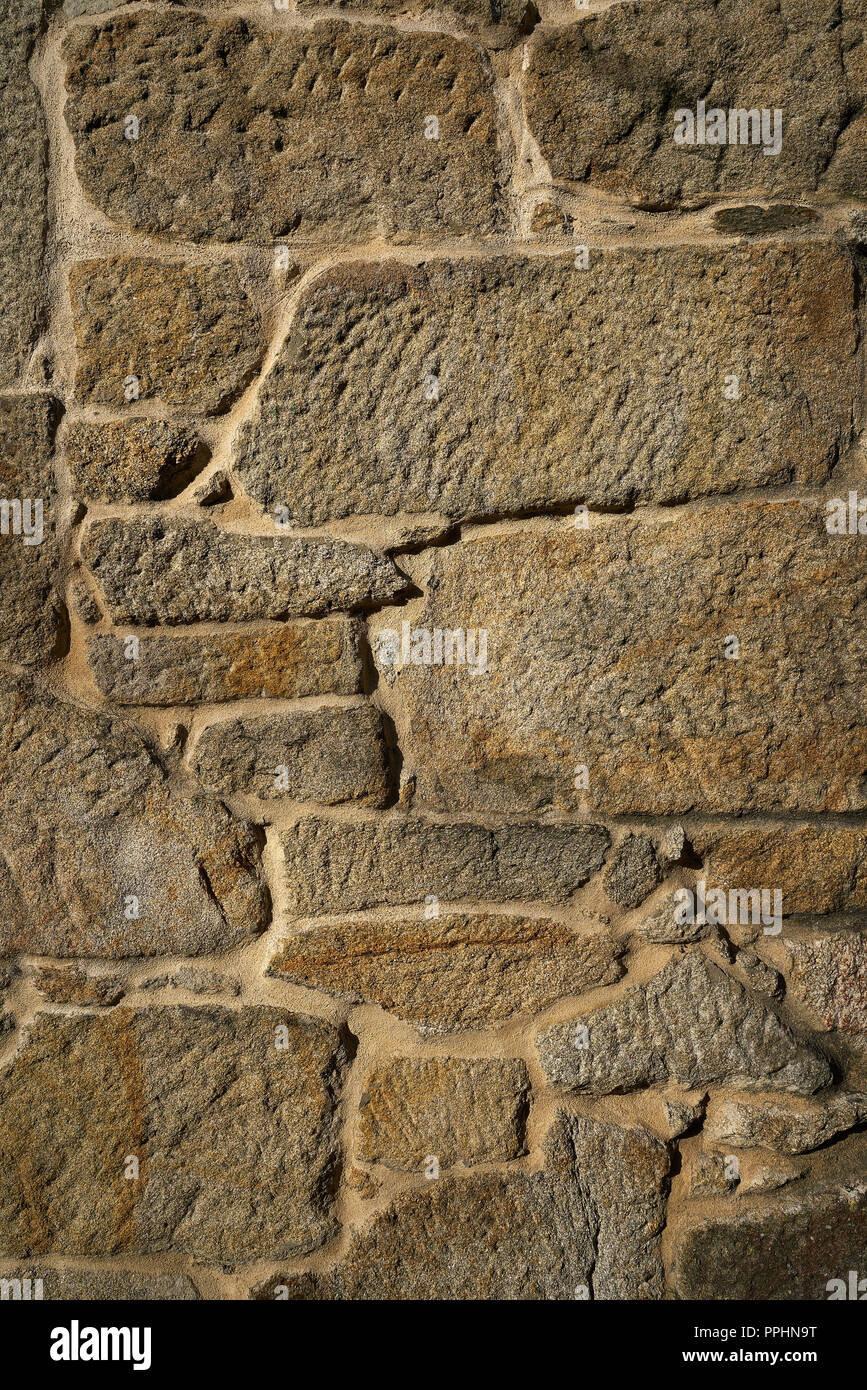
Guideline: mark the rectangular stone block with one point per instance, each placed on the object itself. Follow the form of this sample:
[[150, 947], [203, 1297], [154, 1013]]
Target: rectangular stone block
[[458, 1111], [818, 868], [602, 98], [30, 608], [338, 866], [328, 755], [318, 657], [321, 133], [713, 661], [451, 971], [828, 974], [229, 1113], [185, 336], [483, 387], [23, 212], [131, 460], [161, 570], [102, 856]]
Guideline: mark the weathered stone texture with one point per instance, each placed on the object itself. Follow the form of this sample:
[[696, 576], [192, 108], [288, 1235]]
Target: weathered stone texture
[[529, 1237], [316, 133], [295, 659], [70, 984], [819, 869], [607, 648], [166, 571], [451, 971], [601, 96], [349, 420], [787, 1126], [788, 1250], [89, 823], [499, 23], [829, 974], [99, 1285], [459, 1111], [329, 755], [130, 460], [236, 1138], [189, 335], [23, 150], [634, 871], [334, 866], [30, 609], [691, 1024]]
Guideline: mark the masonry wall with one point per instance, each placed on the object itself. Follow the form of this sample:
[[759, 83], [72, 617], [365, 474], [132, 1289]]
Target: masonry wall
[[434, 771]]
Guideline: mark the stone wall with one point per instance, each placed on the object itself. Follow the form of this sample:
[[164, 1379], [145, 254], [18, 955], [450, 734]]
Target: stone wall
[[434, 768]]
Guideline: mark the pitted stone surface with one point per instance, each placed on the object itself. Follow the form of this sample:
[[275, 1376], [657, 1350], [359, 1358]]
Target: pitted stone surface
[[328, 755], [451, 971], [291, 660], [186, 336], [790, 1249], [828, 973], [334, 866], [168, 571], [819, 869], [458, 1110], [236, 1137], [100, 1285], [601, 99], [130, 460], [786, 1126], [607, 649], [100, 856], [313, 133], [23, 213], [691, 1024], [31, 630], [436, 389]]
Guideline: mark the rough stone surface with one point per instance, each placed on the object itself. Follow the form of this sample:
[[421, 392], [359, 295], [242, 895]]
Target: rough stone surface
[[236, 1138], [607, 649], [334, 866], [691, 1024], [290, 661], [23, 149], [498, 24], [452, 971], [523, 1237], [188, 334], [30, 608], [819, 869], [101, 1285], [829, 975], [195, 981], [634, 871], [601, 98], [784, 1125], [759, 221], [460, 1111], [130, 460], [329, 755], [89, 823], [788, 1250], [69, 984], [166, 571], [435, 389], [315, 133]]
